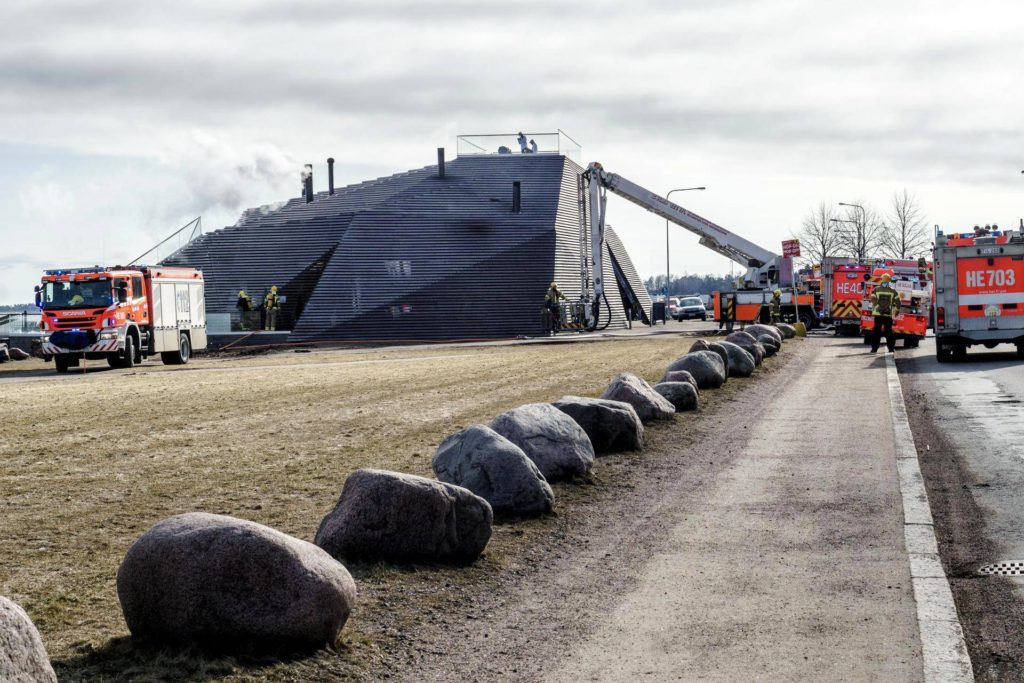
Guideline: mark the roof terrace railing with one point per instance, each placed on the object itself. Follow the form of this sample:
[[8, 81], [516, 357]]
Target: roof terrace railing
[[178, 240], [520, 144]]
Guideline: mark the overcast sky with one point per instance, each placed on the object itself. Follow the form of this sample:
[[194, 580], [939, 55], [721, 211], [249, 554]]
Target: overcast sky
[[122, 120]]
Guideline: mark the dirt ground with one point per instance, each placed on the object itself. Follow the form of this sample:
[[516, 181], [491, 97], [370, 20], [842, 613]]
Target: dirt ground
[[89, 463]]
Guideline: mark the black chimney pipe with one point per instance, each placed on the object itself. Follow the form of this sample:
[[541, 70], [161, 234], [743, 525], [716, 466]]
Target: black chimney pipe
[[517, 194], [440, 162], [307, 182], [330, 175]]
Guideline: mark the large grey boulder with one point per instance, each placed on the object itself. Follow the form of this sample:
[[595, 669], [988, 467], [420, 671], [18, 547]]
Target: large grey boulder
[[682, 395], [611, 425], [555, 442], [680, 376], [232, 584], [705, 366], [17, 354], [22, 655], [399, 517], [720, 350], [788, 331], [741, 363], [757, 331], [649, 404], [769, 343], [749, 343], [494, 468], [702, 345]]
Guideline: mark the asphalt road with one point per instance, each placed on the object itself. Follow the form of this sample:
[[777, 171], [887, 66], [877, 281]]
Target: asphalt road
[[968, 421]]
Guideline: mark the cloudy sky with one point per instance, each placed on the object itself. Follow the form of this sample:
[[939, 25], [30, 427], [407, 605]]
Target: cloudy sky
[[122, 120]]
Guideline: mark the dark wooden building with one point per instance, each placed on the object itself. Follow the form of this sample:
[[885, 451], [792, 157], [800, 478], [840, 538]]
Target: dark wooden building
[[418, 255]]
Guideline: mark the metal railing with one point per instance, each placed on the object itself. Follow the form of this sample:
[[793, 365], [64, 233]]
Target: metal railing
[[510, 143], [170, 246], [19, 322]]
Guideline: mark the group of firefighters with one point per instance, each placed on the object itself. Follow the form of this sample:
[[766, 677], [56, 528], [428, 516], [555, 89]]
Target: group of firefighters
[[271, 306]]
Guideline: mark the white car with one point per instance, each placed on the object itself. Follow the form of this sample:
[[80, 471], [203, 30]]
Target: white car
[[689, 308]]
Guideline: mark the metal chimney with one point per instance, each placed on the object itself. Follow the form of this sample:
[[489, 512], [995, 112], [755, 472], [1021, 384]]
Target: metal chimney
[[516, 196], [440, 162], [330, 175], [307, 182]]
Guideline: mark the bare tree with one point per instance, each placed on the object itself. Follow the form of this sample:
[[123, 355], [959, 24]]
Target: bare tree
[[906, 229], [818, 235], [860, 231]]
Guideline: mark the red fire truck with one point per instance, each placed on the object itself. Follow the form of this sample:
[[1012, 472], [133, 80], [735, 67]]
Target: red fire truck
[[121, 314], [842, 291], [910, 279], [979, 291]]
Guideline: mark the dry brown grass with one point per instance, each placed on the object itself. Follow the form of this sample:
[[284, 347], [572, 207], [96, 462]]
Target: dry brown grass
[[89, 463]]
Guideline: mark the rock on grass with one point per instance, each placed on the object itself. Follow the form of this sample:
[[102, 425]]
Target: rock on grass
[[612, 426], [682, 395], [554, 441], [22, 655], [398, 517], [232, 585], [648, 404], [494, 468], [705, 366]]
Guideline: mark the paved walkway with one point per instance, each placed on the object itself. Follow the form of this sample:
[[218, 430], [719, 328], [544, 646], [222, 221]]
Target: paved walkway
[[791, 565]]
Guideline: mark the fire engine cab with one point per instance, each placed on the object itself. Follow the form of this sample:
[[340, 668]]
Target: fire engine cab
[[910, 280], [121, 314], [979, 291]]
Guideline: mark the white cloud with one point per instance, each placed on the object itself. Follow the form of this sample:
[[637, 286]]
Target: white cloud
[[197, 107]]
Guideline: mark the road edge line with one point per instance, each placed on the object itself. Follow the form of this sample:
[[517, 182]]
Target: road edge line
[[943, 648]]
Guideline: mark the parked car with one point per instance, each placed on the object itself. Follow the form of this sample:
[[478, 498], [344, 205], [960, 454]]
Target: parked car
[[671, 306], [690, 308]]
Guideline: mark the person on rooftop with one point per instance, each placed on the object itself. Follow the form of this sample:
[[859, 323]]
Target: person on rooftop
[[533, 146], [523, 148]]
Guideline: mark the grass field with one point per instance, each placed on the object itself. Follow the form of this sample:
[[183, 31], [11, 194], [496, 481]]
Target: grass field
[[89, 463]]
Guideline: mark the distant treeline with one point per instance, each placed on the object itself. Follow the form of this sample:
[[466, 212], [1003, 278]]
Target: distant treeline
[[17, 308], [688, 284]]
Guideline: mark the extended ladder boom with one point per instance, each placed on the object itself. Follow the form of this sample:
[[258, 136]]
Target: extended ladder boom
[[762, 264]]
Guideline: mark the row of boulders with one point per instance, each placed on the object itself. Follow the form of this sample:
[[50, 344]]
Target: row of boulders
[[9, 353], [237, 585]]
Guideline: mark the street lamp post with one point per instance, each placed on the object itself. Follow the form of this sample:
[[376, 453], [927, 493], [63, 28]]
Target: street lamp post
[[668, 271], [861, 229]]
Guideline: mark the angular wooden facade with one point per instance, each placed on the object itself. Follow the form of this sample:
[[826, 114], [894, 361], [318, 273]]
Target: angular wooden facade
[[415, 256]]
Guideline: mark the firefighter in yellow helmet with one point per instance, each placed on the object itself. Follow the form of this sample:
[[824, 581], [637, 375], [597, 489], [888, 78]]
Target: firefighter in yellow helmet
[[551, 300], [244, 306], [885, 306], [271, 305], [776, 307]]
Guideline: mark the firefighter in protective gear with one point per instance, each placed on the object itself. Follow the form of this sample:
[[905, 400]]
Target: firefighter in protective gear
[[551, 300], [776, 307], [244, 305], [885, 306], [271, 305]]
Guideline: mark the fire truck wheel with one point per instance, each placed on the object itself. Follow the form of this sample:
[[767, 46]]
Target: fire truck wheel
[[911, 342], [129, 352], [1020, 351], [807, 319], [181, 356], [60, 364]]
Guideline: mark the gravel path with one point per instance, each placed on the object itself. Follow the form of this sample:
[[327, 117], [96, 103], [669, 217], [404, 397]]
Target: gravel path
[[769, 545]]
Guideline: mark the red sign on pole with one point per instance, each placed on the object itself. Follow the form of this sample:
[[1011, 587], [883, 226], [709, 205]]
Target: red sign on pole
[[790, 247]]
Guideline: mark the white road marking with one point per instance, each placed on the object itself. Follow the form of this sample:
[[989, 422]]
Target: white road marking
[[942, 639]]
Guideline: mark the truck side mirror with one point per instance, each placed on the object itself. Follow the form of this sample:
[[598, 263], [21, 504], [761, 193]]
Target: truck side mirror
[[39, 296]]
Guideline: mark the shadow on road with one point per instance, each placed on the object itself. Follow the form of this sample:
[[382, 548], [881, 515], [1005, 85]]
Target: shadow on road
[[989, 360]]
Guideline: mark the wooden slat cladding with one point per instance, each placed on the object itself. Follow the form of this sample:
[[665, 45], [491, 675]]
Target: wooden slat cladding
[[413, 256]]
